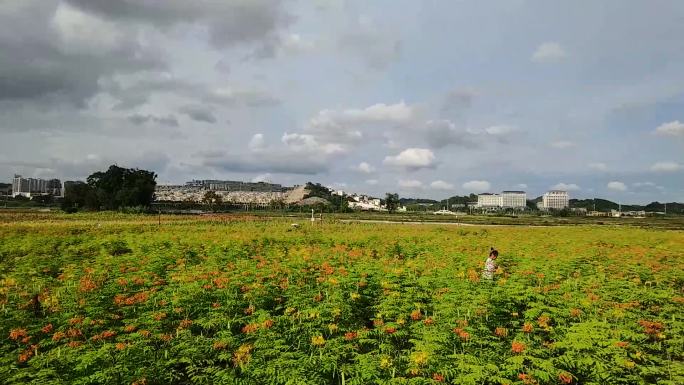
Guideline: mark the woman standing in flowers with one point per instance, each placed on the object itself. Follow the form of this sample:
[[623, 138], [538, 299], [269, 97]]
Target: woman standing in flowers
[[490, 264]]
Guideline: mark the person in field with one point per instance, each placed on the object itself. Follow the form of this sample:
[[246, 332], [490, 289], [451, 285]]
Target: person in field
[[490, 264]]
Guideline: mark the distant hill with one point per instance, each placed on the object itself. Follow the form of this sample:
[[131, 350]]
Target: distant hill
[[415, 201], [606, 205]]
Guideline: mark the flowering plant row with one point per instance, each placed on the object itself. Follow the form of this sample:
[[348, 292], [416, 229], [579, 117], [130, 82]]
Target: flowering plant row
[[94, 299]]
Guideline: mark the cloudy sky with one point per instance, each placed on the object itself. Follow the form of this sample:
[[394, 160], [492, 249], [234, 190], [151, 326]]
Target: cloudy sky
[[425, 98]]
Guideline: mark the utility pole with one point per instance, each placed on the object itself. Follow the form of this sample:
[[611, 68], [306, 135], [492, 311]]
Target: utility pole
[[665, 208], [312, 216]]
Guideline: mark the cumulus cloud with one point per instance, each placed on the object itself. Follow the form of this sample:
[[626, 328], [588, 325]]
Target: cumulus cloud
[[308, 143], [227, 22], [549, 52], [365, 168], [257, 142], [562, 144], [410, 184], [674, 128], [616, 186], [412, 159], [666, 167], [477, 186], [598, 166], [566, 187], [441, 185]]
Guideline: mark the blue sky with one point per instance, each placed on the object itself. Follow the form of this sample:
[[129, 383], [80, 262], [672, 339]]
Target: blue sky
[[429, 98]]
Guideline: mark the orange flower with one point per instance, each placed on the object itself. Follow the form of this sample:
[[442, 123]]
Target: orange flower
[[350, 336], [47, 328], [565, 378], [218, 345], [120, 346], [416, 315], [574, 312], [527, 327], [438, 377], [215, 305], [543, 321], [249, 310], [517, 347], [186, 323], [74, 344], [58, 336], [390, 330], [267, 324], [16, 334], [129, 328], [622, 344], [250, 328], [378, 322], [74, 333], [651, 328], [501, 332], [144, 333], [428, 321]]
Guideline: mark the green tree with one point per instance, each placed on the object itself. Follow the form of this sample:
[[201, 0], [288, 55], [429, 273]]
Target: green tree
[[123, 187], [212, 199], [392, 202]]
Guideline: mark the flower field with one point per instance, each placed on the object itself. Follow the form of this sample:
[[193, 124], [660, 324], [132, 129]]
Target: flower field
[[124, 299]]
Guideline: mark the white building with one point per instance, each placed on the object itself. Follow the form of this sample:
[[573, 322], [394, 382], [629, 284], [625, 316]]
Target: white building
[[489, 200], [507, 199], [514, 199], [555, 199], [34, 186]]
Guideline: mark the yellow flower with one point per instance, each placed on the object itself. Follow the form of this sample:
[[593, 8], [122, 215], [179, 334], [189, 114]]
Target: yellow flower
[[317, 340], [333, 328], [355, 296], [419, 358], [385, 362]]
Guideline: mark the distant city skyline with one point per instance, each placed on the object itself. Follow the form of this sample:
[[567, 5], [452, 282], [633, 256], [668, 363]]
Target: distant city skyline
[[427, 99]]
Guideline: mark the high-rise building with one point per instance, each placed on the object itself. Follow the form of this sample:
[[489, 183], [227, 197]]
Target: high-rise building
[[35, 186], [486, 200], [514, 199], [555, 199], [507, 199]]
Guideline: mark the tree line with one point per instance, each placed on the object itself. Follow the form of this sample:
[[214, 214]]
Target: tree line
[[113, 189]]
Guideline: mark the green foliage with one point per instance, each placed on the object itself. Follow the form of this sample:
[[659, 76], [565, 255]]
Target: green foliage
[[107, 298], [392, 202]]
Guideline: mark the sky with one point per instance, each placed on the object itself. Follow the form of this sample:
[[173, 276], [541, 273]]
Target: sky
[[424, 98]]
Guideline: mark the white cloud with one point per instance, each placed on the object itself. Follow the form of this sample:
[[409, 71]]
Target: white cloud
[[308, 143], [365, 168], [562, 144], [372, 182], [412, 159], [566, 187], [598, 166], [410, 183], [477, 185], [500, 130], [256, 143], [549, 52], [441, 185], [262, 178], [666, 167], [617, 186], [393, 113], [521, 185], [674, 128], [647, 185]]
